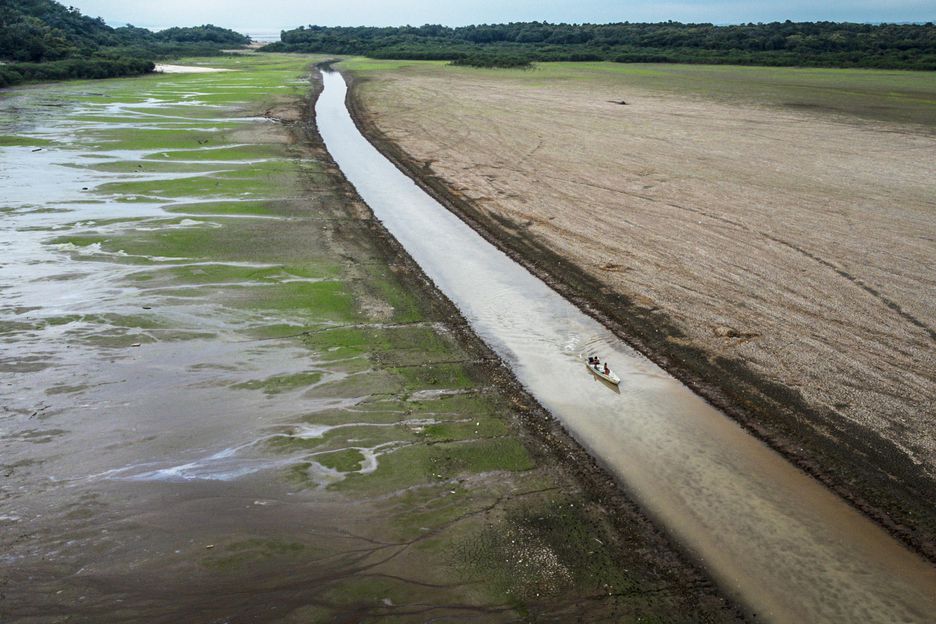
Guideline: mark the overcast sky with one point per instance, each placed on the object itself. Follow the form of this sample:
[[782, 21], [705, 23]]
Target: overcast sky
[[280, 14]]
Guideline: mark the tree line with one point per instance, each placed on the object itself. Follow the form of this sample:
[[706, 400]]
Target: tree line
[[814, 44], [44, 40]]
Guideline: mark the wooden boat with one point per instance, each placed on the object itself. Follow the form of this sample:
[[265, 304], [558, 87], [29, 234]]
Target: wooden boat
[[598, 371]]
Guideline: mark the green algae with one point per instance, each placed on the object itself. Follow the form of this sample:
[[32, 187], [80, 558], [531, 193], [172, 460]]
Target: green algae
[[391, 345], [490, 427], [421, 464], [347, 460], [223, 273], [24, 141], [281, 383], [318, 300], [405, 305], [80, 240], [227, 184], [129, 139], [441, 375]]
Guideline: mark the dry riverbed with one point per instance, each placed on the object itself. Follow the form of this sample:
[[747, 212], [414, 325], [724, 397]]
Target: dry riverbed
[[768, 235], [229, 396]]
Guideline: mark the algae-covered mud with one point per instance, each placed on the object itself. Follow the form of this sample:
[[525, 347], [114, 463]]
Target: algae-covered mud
[[227, 396]]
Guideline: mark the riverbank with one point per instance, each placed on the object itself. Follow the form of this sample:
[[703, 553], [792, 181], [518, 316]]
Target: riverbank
[[231, 395], [698, 299]]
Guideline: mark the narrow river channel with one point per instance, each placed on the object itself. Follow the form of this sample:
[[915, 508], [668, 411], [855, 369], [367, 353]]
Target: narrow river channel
[[778, 542]]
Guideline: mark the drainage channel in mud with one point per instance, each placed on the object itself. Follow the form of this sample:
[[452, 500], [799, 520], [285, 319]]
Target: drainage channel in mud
[[778, 541]]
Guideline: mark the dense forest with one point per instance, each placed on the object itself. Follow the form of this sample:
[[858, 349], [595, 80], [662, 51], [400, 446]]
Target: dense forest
[[43, 40], [815, 44]]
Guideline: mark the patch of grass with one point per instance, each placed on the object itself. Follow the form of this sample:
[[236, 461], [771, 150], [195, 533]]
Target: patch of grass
[[388, 346], [481, 428], [419, 464], [215, 273], [449, 376], [78, 240], [348, 460], [281, 383], [23, 141], [319, 300], [228, 184], [363, 381], [407, 307], [128, 139]]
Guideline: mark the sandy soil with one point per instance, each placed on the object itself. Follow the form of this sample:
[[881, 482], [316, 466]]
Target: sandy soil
[[794, 244]]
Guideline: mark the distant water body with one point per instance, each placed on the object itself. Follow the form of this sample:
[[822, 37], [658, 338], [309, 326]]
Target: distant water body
[[262, 36]]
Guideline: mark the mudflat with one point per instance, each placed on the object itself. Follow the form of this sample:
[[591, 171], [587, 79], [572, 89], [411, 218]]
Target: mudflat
[[228, 394], [768, 235]]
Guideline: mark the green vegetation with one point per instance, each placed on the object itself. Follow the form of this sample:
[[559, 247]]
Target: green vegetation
[[282, 383], [22, 141], [426, 463], [819, 44], [43, 40], [348, 460]]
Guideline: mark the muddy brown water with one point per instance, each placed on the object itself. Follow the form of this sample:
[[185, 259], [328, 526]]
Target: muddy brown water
[[776, 540]]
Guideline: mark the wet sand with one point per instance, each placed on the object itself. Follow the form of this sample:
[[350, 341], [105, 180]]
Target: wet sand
[[767, 238]]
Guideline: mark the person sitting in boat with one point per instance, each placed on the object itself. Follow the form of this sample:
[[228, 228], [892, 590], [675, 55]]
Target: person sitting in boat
[[607, 371], [592, 359]]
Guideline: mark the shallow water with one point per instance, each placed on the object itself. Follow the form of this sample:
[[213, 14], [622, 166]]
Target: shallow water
[[778, 541], [136, 421]]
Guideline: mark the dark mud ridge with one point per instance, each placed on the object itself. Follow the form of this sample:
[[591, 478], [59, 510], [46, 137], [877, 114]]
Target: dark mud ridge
[[638, 537], [871, 473]]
